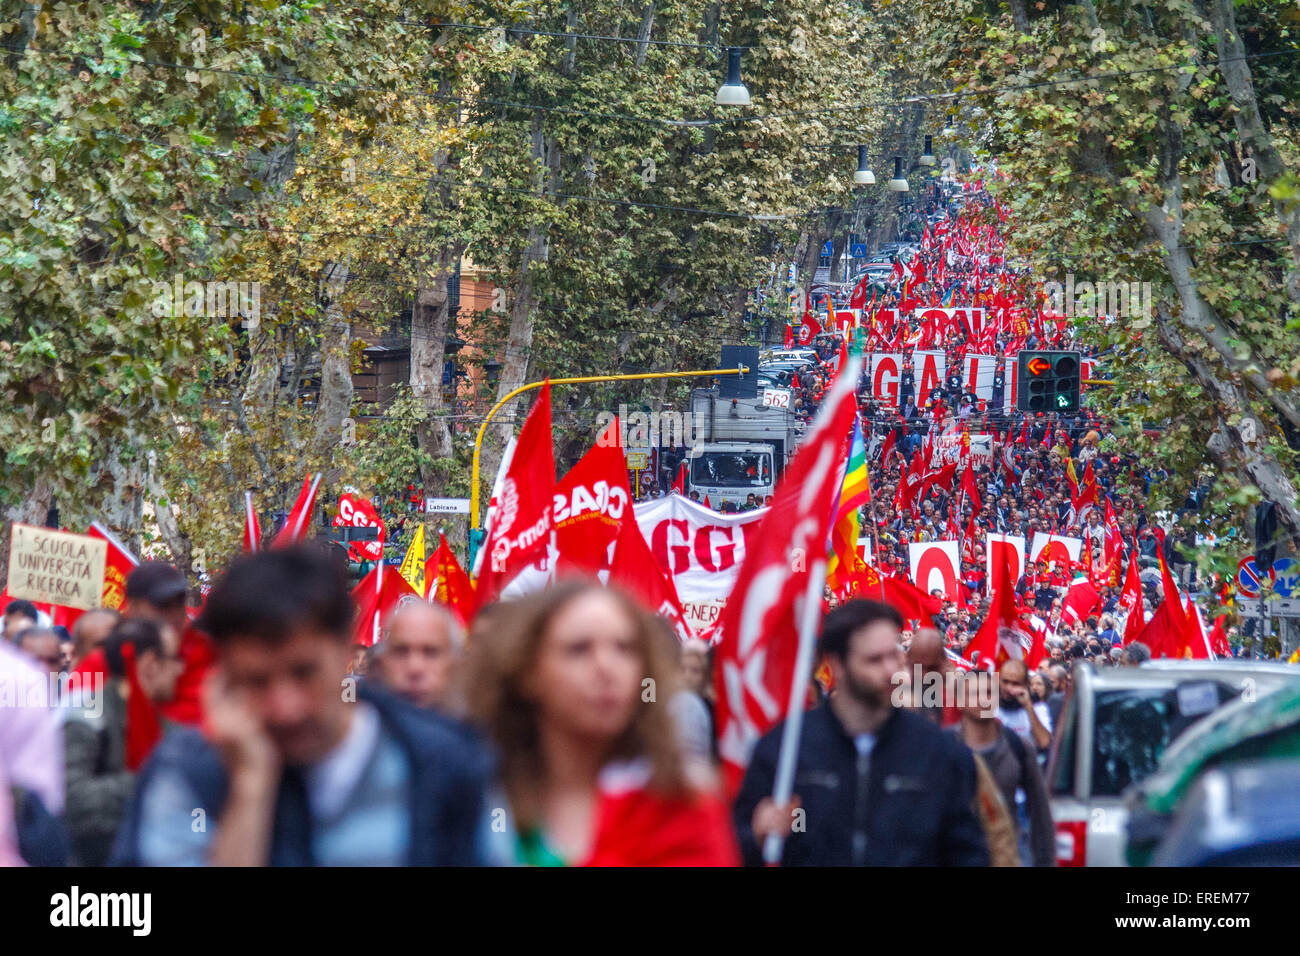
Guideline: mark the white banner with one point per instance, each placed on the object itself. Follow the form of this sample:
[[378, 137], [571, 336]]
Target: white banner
[[1055, 549], [935, 565], [886, 370], [1011, 545], [701, 548]]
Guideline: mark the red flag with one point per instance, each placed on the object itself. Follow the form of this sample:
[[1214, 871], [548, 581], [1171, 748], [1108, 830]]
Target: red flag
[[119, 564], [521, 530], [376, 598], [1130, 599], [759, 631], [859, 297], [1219, 638], [1002, 636], [589, 504], [1081, 599], [1087, 497], [1164, 632], [636, 571], [789, 337], [1195, 644], [299, 520], [252, 529], [449, 585], [809, 330], [969, 490], [887, 447], [357, 512], [679, 483], [706, 502]]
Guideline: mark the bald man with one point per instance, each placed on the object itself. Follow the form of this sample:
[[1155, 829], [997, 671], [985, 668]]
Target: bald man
[[1018, 711], [91, 630], [418, 658], [925, 656]]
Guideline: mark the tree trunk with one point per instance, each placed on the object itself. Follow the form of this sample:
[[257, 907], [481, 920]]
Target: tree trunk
[[514, 369], [335, 400], [1252, 133], [429, 322]]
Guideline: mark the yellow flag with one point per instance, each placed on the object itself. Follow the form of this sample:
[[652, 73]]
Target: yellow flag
[[413, 564]]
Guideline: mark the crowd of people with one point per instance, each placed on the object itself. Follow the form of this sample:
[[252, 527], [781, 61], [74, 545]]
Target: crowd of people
[[568, 727]]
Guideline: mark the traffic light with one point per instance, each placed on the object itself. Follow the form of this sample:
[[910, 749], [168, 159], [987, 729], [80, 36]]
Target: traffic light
[[1048, 382]]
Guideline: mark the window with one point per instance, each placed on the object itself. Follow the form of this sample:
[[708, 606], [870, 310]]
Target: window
[[1131, 730], [732, 470]]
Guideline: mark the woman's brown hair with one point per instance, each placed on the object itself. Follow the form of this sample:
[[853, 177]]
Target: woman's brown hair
[[502, 655]]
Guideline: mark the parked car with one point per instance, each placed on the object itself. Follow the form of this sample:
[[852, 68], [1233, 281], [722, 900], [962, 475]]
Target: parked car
[[1242, 814], [1112, 731], [1267, 727], [800, 356]]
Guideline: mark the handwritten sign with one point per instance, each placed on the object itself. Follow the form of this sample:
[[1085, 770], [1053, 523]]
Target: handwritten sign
[[55, 567]]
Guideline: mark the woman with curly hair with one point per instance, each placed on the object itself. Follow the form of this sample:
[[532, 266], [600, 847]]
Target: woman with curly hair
[[572, 684]]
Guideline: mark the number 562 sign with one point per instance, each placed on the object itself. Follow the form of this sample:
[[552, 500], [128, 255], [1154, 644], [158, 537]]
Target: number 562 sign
[[776, 397]]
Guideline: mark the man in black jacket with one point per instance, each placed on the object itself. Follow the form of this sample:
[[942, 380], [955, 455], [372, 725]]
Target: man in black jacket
[[874, 785]]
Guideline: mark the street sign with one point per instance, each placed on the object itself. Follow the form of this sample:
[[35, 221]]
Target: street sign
[[1286, 578], [1281, 607], [858, 250], [1248, 577], [447, 506], [828, 248]]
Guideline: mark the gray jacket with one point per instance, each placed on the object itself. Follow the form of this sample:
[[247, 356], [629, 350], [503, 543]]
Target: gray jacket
[[98, 783]]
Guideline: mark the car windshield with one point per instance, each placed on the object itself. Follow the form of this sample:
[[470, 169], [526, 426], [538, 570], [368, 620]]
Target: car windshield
[[732, 469], [1134, 726]]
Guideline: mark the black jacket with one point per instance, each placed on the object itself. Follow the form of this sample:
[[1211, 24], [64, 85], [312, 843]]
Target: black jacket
[[917, 809]]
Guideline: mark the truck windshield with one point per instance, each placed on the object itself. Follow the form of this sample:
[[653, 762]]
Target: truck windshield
[[732, 469]]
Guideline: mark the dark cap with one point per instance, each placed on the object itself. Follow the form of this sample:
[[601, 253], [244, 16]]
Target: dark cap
[[156, 582]]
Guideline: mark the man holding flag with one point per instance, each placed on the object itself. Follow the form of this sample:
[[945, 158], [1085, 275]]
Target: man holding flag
[[765, 654]]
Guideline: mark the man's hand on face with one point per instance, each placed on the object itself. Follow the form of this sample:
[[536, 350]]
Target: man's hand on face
[[232, 726]]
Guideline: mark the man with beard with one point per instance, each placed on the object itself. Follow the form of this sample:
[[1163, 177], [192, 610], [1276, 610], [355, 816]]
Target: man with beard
[[1018, 711], [874, 785]]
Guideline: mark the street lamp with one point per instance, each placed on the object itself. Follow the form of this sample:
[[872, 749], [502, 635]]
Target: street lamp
[[492, 371], [453, 344], [899, 183], [733, 92], [864, 176], [927, 157]]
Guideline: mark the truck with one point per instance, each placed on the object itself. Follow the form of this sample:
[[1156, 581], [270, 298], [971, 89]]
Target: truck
[[741, 445]]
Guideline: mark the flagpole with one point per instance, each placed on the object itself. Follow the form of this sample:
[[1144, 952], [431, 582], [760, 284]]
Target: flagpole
[[379, 591], [783, 786]]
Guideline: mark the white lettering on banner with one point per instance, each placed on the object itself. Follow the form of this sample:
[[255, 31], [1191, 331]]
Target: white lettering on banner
[[600, 498], [929, 368]]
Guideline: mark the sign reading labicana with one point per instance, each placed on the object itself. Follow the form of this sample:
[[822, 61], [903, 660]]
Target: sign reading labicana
[[55, 567]]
